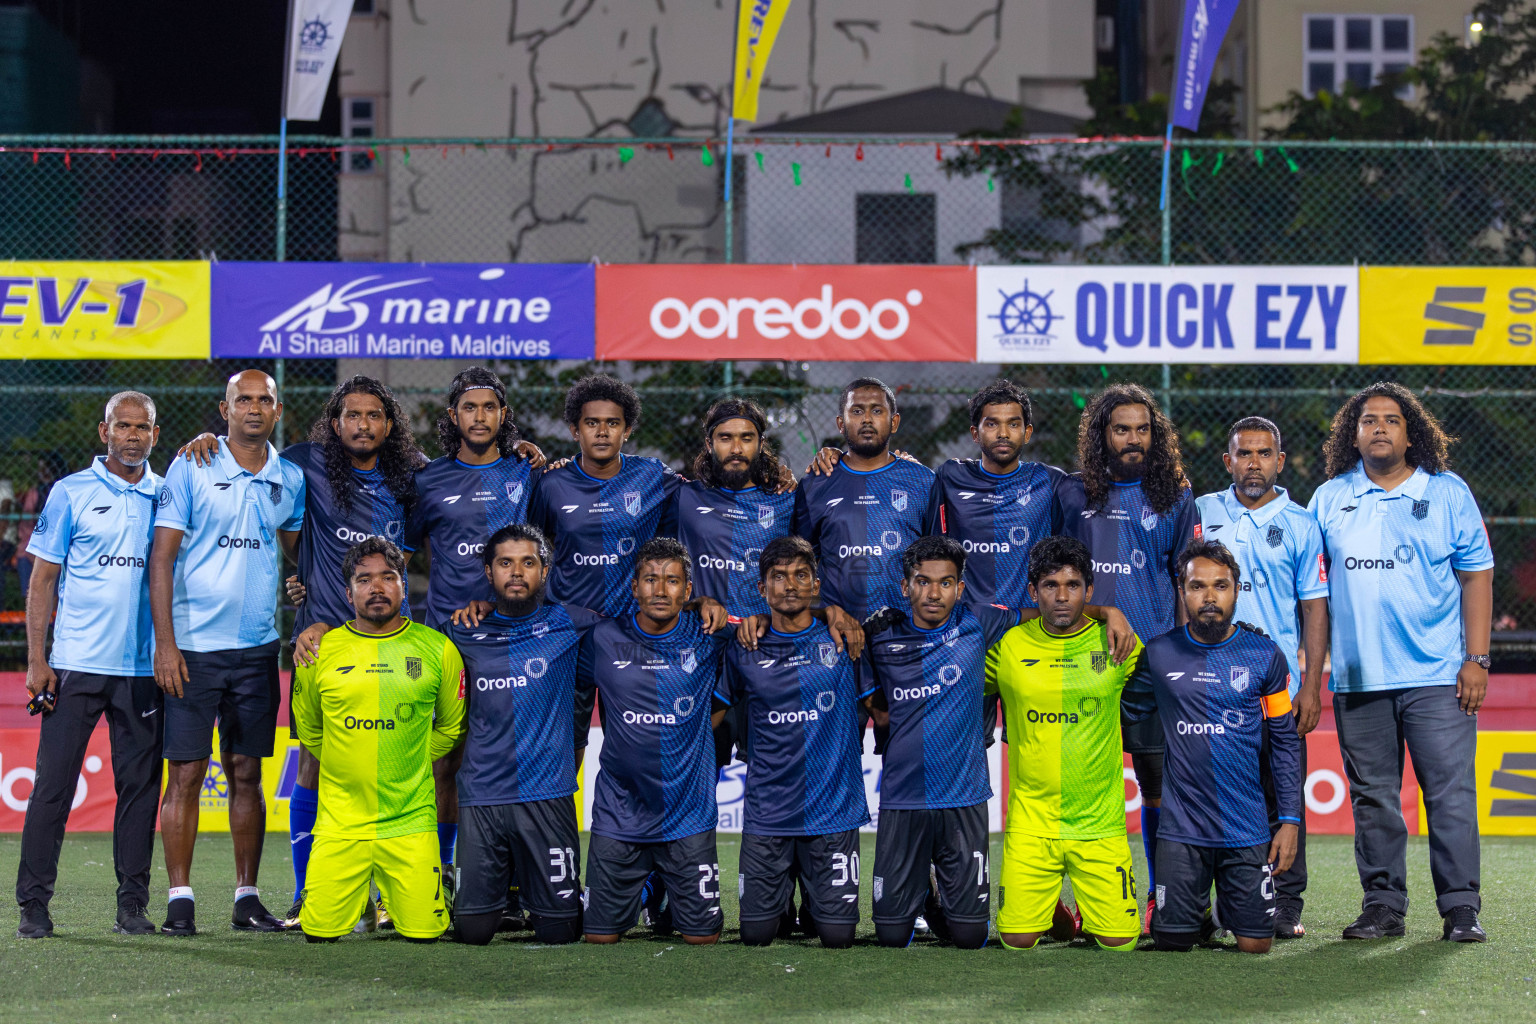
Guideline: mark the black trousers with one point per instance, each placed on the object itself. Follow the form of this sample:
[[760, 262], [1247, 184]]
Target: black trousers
[[133, 708]]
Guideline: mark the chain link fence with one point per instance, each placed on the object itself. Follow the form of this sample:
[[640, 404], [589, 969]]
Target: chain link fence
[[836, 200]]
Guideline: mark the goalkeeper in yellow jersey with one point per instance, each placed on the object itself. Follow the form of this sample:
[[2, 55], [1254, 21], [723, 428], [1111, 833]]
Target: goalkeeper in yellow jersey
[[1066, 803], [382, 701]]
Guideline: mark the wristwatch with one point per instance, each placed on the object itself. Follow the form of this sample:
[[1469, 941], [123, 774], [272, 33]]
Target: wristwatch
[[1479, 659]]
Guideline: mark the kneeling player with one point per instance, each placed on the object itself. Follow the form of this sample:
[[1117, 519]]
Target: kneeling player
[[516, 815], [1223, 694], [1066, 789], [653, 808], [380, 703], [805, 785]]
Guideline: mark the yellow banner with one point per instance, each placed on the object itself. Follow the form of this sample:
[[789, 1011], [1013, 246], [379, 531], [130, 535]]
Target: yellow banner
[[1506, 785], [70, 310], [1448, 315], [757, 26]]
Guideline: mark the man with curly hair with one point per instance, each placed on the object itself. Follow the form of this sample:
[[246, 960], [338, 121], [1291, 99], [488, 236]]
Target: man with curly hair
[[1410, 588], [1131, 504]]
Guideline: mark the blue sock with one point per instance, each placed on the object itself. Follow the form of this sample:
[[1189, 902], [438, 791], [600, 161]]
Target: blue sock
[[1149, 819], [302, 807], [447, 835]]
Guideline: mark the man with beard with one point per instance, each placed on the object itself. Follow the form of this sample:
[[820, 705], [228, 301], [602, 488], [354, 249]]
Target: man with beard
[[1279, 548], [1130, 503], [93, 536], [520, 758], [1224, 693], [220, 534], [359, 466]]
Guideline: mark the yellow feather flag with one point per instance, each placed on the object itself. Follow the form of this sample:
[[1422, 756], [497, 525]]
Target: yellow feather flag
[[757, 26]]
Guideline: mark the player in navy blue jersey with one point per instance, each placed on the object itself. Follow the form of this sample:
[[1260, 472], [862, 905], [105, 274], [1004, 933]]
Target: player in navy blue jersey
[[520, 757], [1131, 505], [862, 515], [655, 672], [600, 508], [1223, 692], [805, 787], [924, 674]]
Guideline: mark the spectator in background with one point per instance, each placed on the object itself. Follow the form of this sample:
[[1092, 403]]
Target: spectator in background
[[50, 468], [7, 533]]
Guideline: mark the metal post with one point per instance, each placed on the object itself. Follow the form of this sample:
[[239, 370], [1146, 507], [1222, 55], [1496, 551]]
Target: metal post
[[281, 247], [730, 173]]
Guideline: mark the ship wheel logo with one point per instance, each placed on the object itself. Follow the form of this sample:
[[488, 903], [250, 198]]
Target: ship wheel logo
[[1025, 313], [314, 34]]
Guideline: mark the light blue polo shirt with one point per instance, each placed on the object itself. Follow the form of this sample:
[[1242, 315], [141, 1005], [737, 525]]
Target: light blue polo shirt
[[228, 567], [98, 526], [1394, 598], [1279, 549]]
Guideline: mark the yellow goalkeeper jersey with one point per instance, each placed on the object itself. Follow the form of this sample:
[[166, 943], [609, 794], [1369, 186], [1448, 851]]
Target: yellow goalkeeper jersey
[[1061, 695], [377, 711]]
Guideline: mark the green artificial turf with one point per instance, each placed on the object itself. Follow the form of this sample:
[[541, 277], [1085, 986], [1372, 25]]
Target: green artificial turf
[[86, 973]]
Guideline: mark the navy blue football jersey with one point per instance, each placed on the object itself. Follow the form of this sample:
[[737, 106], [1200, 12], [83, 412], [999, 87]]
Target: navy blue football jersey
[[1135, 550], [725, 532], [860, 524], [327, 534], [998, 520], [458, 507], [597, 525], [932, 682], [520, 685], [657, 774], [805, 773], [1222, 705]]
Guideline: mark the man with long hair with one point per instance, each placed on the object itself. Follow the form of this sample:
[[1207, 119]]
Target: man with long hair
[[1130, 503], [1410, 588]]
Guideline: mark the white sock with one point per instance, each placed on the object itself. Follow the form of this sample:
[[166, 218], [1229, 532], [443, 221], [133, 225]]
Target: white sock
[[241, 892], [181, 892]]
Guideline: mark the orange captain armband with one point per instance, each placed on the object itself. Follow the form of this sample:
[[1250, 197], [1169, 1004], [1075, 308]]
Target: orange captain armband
[[1276, 704]]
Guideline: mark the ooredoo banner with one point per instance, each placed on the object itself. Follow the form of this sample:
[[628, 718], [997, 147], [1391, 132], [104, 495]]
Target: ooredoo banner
[[403, 310], [1274, 315], [874, 313]]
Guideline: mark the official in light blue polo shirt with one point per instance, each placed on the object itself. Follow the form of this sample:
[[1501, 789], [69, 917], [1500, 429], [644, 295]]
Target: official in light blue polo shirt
[[221, 533], [1410, 576], [1283, 584], [91, 546]]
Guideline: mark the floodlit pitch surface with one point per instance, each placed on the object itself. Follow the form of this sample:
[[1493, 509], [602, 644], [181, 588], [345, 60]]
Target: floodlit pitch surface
[[86, 973]]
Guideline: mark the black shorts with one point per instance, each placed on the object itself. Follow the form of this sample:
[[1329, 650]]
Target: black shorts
[[617, 869], [1245, 890], [1143, 737], [827, 867], [954, 840], [239, 689], [536, 842]]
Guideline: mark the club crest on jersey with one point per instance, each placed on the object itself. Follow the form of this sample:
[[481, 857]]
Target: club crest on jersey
[[1149, 519], [765, 516], [514, 492], [1239, 678], [413, 667], [687, 659], [632, 502], [1022, 499], [1098, 661], [276, 493], [899, 500], [1420, 509], [1274, 536], [827, 653]]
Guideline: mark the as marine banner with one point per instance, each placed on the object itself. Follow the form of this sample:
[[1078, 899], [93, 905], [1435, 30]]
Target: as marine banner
[[79, 310]]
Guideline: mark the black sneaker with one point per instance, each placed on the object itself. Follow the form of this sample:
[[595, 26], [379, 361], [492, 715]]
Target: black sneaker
[[1462, 925], [131, 919], [1376, 921], [251, 916], [179, 918], [1288, 922], [291, 922], [35, 922]]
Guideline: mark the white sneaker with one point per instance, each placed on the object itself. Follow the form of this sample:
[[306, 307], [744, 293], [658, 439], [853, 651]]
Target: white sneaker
[[369, 922], [920, 926]]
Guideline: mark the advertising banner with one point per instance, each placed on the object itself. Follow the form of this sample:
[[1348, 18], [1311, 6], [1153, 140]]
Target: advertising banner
[[1448, 315], [876, 313], [1274, 315], [74, 310], [403, 310]]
